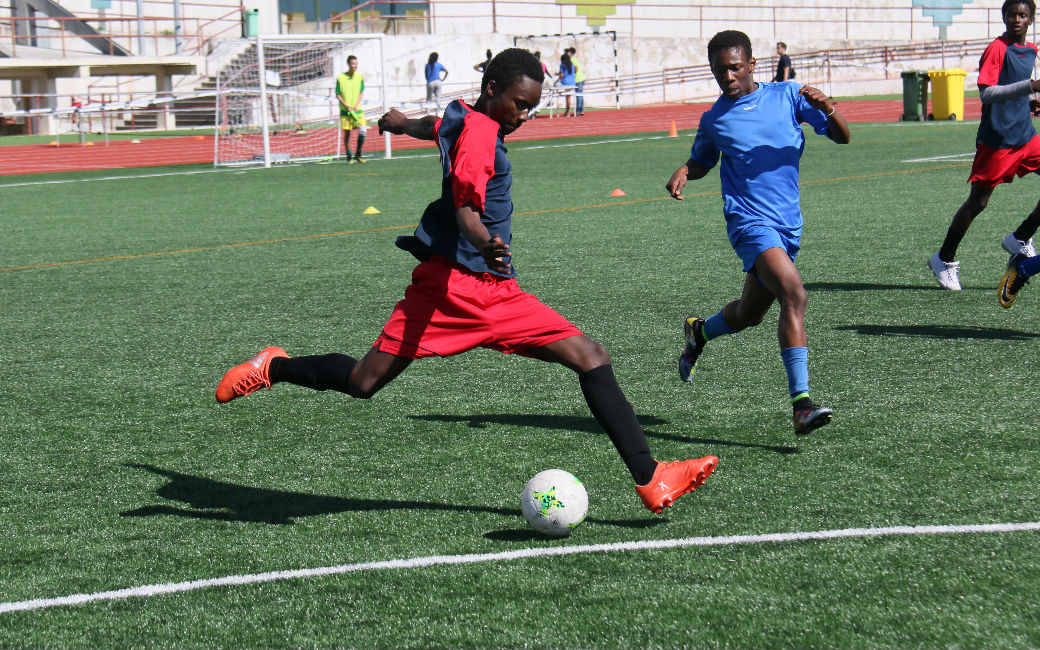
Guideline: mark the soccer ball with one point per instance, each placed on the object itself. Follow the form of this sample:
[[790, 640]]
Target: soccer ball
[[554, 502]]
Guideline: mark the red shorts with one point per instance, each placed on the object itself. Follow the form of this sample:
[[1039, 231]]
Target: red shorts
[[449, 309], [992, 167]]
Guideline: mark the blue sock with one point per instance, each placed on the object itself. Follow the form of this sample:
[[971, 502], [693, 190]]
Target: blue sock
[[1029, 266], [796, 362], [716, 326]]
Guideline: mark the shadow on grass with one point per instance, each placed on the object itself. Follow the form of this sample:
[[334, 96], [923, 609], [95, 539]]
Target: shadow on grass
[[940, 332], [587, 425], [865, 286], [216, 500]]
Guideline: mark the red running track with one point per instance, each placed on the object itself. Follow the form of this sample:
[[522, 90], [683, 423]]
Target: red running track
[[150, 152]]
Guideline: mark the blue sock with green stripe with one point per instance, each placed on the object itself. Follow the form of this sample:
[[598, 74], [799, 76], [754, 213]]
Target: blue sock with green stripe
[[715, 326], [796, 363]]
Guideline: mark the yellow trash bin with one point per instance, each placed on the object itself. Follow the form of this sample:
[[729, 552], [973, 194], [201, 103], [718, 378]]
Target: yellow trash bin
[[947, 94]]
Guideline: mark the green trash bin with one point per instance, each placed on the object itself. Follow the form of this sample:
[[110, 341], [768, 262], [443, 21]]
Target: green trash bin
[[915, 96], [252, 23], [948, 93]]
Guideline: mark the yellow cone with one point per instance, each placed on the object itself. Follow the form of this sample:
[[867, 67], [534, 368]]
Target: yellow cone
[[370, 210]]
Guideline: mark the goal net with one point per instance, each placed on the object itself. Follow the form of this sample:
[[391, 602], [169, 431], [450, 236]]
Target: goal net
[[276, 97]]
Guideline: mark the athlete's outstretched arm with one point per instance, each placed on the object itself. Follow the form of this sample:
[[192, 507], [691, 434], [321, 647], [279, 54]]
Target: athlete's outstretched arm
[[837, 127], [495, 252], [395, 121], [690, 171]]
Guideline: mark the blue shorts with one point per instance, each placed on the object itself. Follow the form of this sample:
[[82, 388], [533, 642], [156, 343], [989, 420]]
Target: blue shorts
[[752, 241]]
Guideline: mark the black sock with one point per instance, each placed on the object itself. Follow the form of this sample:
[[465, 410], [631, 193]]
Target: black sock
[[1027, 229], [360, 141], [618, 419], [803, 404], [320, 371]]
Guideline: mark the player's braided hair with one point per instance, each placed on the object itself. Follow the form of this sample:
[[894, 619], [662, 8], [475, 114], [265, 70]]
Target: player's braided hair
[[510, 65], [1011, 3], [732, 38]]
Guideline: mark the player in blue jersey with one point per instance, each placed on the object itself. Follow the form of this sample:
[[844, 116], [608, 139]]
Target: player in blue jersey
[[1006, 144], [755, 128], [1019, 269], [464, 292]]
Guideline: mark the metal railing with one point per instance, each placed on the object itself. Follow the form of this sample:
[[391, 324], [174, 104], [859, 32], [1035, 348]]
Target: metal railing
[[120, 35], [759, 17]]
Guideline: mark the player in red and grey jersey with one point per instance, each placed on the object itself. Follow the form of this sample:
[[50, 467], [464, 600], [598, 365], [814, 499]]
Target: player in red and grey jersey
[[464, 294], [1006, 144]]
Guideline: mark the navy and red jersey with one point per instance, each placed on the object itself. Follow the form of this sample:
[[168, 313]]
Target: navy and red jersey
[[1006, 125], [475, 170]]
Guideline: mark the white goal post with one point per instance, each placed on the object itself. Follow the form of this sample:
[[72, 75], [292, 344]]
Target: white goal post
[[276, 97]]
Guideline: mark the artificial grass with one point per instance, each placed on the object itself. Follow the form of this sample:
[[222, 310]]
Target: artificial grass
[[121, 470]]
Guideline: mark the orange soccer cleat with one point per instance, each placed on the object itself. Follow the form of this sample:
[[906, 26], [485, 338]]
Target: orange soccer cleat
[[249, 376], [673, 479]]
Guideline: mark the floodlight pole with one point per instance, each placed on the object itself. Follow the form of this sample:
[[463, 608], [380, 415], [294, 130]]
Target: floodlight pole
[[262, 72]]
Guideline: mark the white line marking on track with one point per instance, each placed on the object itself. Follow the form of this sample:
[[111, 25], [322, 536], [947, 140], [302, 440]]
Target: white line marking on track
[[505, 556], [61, 181], [957, 157]]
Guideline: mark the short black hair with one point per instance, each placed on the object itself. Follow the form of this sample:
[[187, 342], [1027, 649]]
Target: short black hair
[[510, 65], [1011, 3], [351, 58], [732, 38], [781, 44]]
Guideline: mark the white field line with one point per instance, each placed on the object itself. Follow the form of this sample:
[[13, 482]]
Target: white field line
[[957, 157], [241, 171], [506, 556]]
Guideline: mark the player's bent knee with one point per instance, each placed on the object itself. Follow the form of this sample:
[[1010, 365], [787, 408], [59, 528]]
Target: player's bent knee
[[362, 389], [593, 355]]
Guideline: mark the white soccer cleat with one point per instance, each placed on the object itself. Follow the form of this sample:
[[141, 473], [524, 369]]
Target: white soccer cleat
[[1015, 246], [945, 272]]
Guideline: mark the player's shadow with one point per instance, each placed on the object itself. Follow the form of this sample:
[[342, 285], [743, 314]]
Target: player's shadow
[[205, 498], [588, 425], [940, 332], [862, 286]]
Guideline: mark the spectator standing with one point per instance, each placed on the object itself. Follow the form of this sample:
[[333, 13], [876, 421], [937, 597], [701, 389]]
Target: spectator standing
[[565, 79], [436, 73], [579, 82], [784, 71]]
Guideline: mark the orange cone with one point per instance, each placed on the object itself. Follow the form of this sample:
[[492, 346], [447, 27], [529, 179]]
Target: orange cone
[[673, 133], [618, 192]]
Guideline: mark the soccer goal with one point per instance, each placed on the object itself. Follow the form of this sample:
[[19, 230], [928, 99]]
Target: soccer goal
[[276, 96]]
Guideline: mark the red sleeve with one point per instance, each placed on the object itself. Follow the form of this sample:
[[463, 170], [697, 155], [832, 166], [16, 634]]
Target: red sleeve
[[991, 63], [473, 160]]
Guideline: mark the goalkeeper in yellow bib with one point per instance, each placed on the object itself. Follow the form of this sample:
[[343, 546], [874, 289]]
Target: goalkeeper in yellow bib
[[350, 86]]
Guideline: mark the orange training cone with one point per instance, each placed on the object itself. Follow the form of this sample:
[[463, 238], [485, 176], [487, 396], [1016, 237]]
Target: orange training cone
[[673, 133], [617, 192]]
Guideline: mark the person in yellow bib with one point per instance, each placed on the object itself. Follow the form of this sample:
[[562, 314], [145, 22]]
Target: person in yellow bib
[[579, 82], [350, 86]]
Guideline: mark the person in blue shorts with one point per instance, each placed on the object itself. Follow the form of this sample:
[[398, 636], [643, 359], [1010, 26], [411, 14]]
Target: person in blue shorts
[[1020, 268], [755, 128]]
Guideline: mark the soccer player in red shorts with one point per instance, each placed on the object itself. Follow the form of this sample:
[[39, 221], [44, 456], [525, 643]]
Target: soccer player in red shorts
[[464, 293], [1006, 145]]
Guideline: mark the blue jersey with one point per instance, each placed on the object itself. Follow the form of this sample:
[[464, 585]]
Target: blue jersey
[[433, 71], [474, 170], [759, 138], [1006, 125], [568, 75]]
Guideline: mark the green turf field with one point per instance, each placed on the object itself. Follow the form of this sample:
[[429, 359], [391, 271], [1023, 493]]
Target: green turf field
[[119, 470]]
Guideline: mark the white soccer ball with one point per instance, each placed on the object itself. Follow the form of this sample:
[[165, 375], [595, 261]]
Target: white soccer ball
[[554, 502]]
